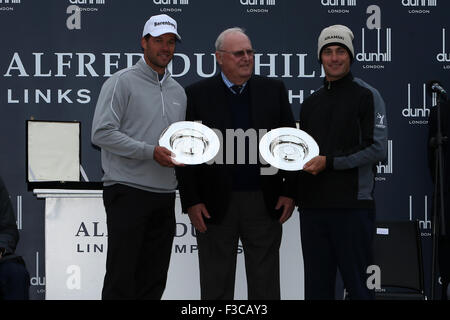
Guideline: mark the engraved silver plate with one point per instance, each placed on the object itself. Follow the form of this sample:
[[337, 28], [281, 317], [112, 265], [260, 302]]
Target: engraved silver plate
[[191, 142], [288, 148]]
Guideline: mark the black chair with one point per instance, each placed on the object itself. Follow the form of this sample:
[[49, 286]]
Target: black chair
[[398, 253]]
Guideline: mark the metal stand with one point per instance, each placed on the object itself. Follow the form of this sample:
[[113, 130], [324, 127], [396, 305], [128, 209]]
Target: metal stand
[[438, 221]]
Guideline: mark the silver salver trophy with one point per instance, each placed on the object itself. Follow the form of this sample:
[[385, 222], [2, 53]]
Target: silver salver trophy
[[191, 142], [288, 148]]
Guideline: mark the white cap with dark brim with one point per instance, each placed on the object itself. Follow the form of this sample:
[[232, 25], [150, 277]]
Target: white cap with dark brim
[[160, 24]]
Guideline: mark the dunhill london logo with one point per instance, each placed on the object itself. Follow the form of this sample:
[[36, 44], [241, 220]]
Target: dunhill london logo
[[443, 56], [87, 1], [258, 2], [425, 223], [419, 3], [387, 166], [350, 3], [374, 23], [377, 56], [422, 112], [175, 2]]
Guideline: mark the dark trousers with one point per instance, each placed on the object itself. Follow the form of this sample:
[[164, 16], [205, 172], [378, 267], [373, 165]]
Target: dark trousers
[[14, 279], [248, 219], [337, 238], [141, 227]]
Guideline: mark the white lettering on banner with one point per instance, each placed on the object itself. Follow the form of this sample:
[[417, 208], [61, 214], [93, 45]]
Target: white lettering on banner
[[257, 2], [171, 2], [87, 64], [376, 56], [419, 11], [371, 66], [301, 66], [424, 224], [374, 279], [82, 64], [300, 96], [37, 280], [80, 1], [287, 65], [73, 21], [108, 63], [443, 56], [338, 2], [338, 11], [9, 2], [18, 66], [74, 280], [374, 23], [258, 10], [170, 10], [418, 3], [48, 96], [19, 213], [199, 57], [271, 64], [422, 112], [386, 168], [38, 72], [186, 63]]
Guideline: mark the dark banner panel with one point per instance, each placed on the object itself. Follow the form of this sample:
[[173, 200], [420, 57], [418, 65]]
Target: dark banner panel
[[56, 54]]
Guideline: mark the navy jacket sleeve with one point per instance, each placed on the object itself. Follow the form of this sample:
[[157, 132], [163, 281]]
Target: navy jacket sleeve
[[9, 235]]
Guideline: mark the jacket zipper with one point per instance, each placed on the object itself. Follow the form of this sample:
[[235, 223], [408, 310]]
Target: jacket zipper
[[162, 97]]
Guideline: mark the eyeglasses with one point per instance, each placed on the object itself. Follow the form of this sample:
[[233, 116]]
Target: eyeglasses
[[241, 53]]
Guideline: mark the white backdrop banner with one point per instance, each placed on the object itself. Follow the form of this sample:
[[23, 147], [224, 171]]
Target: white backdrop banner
[[76, 246]]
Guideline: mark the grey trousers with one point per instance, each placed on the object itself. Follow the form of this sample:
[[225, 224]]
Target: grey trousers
[[248, 219]]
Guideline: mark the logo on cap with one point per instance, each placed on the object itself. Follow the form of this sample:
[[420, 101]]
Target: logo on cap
[[334, 37], [165, 23]]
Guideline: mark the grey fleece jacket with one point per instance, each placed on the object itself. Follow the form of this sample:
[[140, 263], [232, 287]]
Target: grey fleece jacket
[[132, 111]]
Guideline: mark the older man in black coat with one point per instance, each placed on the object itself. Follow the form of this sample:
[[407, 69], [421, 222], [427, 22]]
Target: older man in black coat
[[234, 199]]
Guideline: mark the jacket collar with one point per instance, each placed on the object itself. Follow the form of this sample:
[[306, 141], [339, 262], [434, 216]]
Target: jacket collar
[[152, 74], [328, 85]]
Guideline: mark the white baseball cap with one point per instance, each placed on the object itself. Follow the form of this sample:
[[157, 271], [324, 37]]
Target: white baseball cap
[[160, 24]]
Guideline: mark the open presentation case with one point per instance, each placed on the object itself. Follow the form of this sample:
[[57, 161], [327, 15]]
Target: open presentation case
[[54, 155]]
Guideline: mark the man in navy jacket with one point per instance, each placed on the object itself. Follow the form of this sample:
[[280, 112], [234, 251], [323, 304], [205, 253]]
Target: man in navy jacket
[[347, 118], [14, 278]]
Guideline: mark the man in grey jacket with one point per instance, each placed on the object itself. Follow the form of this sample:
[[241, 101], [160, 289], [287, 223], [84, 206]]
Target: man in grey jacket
[[135, 105]]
